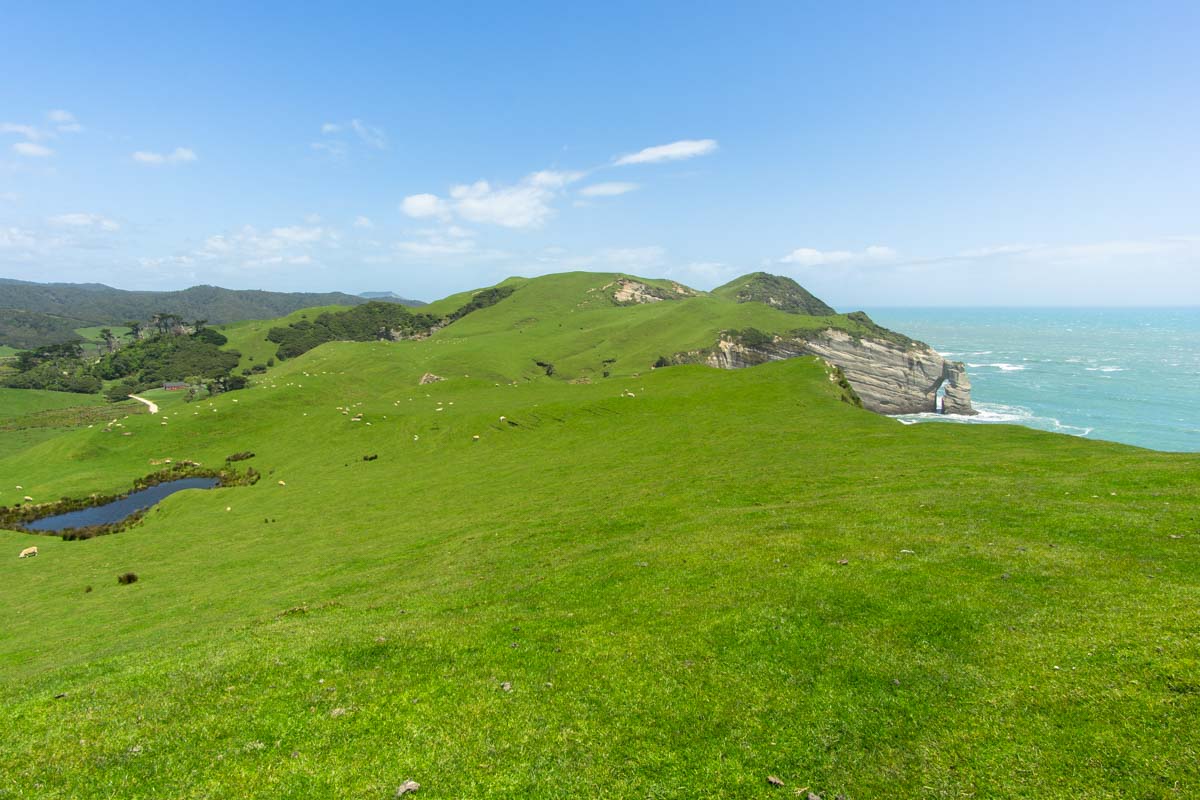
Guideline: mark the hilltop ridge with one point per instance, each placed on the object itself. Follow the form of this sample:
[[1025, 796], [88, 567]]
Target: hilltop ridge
[[33, 314]]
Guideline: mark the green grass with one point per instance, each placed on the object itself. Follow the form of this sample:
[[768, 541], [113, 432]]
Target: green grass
[[655, 577], [250, 337], [31, 416]]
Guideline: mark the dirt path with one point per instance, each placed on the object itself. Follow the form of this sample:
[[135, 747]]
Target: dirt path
[[152, 405]]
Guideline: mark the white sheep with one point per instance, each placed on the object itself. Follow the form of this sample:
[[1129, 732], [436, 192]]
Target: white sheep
[[28, 552]]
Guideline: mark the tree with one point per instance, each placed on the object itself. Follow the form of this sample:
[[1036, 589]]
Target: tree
[[110, 341], [135, 329]]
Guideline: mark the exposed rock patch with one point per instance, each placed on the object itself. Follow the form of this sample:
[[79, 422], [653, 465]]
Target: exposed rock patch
[[890, 377], [429, 377], [631, 292]]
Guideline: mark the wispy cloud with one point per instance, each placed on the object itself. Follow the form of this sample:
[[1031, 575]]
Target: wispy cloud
[[28, 131], [611, 189], [335, 144], [82, 220], [64, 121], [180, 155], [363, 222], [675, 151], [252, 248], [810, 257], [32, 150], [526, 204]]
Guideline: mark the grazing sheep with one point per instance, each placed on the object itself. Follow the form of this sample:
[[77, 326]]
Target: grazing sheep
[[28, 499], [28, 552], [281, 483]]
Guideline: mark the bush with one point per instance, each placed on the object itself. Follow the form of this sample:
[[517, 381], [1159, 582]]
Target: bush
[[127, 578]]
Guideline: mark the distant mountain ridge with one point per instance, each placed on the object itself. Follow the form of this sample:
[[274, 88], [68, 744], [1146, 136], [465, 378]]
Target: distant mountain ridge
[[33, 314], [392, 297]]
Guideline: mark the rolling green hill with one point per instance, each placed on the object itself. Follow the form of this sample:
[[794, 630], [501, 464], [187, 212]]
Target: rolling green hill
[[660, 583]]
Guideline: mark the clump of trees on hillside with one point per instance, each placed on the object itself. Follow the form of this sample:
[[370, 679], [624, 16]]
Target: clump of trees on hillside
[[374, 320], [164, 349]]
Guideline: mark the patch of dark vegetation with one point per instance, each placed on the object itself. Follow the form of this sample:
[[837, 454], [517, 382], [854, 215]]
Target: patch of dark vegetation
[[164, 350], [31, 329], [127, 578], [55, 367], [373, 321], [546, 366], [879, 332], [371, 457], [242, 456], [16, 517], [752, 337], [848, 394], [777, 292]]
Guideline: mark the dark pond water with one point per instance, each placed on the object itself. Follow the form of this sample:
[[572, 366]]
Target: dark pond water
[[119, 509]]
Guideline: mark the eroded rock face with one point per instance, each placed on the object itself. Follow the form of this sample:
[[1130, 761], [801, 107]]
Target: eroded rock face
[[889, 377], [630, 291]]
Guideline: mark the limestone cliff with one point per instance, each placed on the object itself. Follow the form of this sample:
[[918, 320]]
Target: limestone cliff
[[891, 376]]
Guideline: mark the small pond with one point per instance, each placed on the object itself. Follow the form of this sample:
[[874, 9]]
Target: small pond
[[119, 509]]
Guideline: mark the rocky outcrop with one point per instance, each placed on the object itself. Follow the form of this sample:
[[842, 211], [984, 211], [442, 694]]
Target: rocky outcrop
[[429, 378], [891, 377], [631, 292]]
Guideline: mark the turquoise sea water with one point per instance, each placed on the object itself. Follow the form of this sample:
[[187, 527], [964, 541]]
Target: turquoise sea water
[[1126, 375]]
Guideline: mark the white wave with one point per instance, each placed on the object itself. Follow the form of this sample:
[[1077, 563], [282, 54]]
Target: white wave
[[1105, 369], [1003, 367], [998, 414]]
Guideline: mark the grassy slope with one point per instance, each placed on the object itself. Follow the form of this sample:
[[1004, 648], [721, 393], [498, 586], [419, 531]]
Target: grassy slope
[[655, 576], [250, 337], [30, 416]]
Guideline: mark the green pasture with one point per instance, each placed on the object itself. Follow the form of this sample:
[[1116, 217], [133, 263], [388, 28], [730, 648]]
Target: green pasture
[[665, 583]]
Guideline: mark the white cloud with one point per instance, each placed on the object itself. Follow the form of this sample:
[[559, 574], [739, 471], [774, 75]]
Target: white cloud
[[420, 206], [28, 131], [435, 248], [686, 148], [251, 248], [80, 220], [17, 239], [179, 155], [525, 205], [611, 189], [810, 257], [32, 149], [363, 222], [370, 135], [64, 121], [297, 234]]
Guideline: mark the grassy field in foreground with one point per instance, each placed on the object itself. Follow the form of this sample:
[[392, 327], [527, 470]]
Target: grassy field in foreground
[[725, 576]]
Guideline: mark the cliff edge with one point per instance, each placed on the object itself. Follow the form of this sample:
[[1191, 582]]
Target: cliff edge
[[891, 373]]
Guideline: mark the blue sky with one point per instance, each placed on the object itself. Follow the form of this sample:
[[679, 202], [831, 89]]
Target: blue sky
[[881, 154]]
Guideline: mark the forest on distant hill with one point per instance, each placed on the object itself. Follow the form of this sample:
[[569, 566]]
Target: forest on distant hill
[[37, 314]]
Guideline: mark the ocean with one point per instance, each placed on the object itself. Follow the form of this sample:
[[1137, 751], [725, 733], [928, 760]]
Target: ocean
[[1125, 375]]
